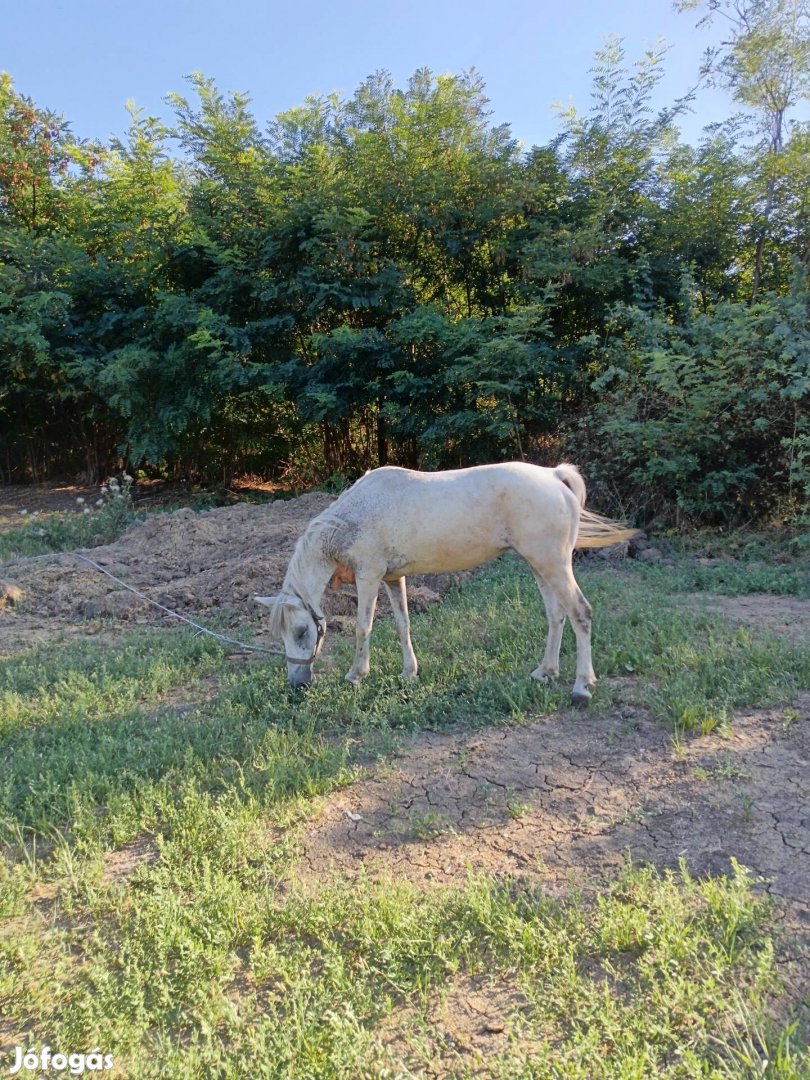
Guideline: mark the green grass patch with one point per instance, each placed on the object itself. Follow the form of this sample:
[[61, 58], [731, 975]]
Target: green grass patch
[[88, 743], [203, 969], [90, 746], [731, 578], [204, 960], [89, 525], [733, 564], [694, 669]]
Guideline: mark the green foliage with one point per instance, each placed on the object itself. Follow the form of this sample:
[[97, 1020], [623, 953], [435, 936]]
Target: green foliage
[[388, 278], [35, 151], [706, 416]]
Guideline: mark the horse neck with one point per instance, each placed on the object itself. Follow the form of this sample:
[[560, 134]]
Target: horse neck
[[308, 575]]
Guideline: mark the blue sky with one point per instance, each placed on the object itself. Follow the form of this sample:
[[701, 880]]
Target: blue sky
[[86, 58]]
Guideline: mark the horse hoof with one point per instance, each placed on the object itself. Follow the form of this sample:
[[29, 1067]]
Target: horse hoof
[[580, 700], [541, 676]]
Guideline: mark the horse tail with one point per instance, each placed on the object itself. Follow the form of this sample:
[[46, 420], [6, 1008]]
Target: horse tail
[[572, 478], [594, 530]]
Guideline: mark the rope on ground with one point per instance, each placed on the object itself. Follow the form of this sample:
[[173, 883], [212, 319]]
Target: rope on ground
[[167, 611]]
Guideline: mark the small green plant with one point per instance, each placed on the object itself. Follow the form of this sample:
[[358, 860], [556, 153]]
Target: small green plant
[[89, 525], [726, 770], [429, 825], [518, 808], [789, 718], [748, 805]]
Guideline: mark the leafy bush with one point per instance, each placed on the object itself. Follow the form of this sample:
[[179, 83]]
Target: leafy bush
[[390, 278], [706, 419]]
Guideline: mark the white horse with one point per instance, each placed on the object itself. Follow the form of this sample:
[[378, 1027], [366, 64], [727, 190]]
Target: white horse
[[395, 522]]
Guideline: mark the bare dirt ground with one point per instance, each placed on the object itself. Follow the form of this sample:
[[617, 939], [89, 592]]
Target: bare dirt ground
[[200, 564], [566, 799], [570, 797], [785, 615], [47, 498]]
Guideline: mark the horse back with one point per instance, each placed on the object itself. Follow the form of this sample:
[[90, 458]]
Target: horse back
[[416, 522]]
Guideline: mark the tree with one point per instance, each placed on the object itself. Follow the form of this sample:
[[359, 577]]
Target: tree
[[765, 63], [35, 153], [593, 236], [440, 182]]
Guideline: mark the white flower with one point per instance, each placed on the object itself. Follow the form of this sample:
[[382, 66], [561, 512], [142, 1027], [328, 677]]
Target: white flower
[[40, 532], [23, 512], [86, 510], [80, 500], [127, 478], [99, 502], [104, 489], [35, 514]]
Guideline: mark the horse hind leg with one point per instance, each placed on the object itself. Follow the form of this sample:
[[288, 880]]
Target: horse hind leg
[[555, 614], [581, 620], [398, 596], [562, 583]]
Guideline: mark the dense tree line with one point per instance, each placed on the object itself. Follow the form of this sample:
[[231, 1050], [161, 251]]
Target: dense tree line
[[391, 278]]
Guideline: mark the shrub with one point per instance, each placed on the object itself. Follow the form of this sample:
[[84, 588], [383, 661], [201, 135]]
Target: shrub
[[706, 418]]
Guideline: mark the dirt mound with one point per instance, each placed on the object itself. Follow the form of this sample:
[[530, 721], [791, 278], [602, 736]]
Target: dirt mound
[[196, 564]]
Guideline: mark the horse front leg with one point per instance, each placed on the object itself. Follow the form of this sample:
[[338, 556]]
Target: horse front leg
[[398, 595], [367, 589]]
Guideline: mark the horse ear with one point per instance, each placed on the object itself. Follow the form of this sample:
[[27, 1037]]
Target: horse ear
[[279, 601]]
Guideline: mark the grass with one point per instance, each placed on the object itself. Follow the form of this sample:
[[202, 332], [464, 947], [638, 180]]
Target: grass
[[199, 969], [207, 960], [732, 564], [101, 522]]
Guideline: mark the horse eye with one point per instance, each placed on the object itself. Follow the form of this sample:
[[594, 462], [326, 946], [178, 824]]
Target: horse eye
[[301, 635]]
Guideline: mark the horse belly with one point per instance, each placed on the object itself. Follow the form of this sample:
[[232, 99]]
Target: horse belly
[[443, 551]]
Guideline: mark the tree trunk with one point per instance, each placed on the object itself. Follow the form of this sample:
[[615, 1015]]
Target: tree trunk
[[382, 438], [770, 198]]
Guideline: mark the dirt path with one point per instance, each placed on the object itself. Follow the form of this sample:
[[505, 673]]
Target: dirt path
[[787, 616], [569, 798]]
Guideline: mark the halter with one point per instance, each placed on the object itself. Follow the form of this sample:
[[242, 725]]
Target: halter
[[320, 623]]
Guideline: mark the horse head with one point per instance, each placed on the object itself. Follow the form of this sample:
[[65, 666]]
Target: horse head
[[301, 629]]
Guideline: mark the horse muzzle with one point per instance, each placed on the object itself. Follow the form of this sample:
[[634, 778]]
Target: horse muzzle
[[299, 672]]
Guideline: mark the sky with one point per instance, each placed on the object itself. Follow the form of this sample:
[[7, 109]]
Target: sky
[[86, 58]]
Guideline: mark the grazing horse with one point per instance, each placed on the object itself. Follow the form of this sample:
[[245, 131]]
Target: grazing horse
[[396, 522]]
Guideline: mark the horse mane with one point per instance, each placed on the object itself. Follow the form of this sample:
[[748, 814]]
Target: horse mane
[[316, 543], [312, 546]]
